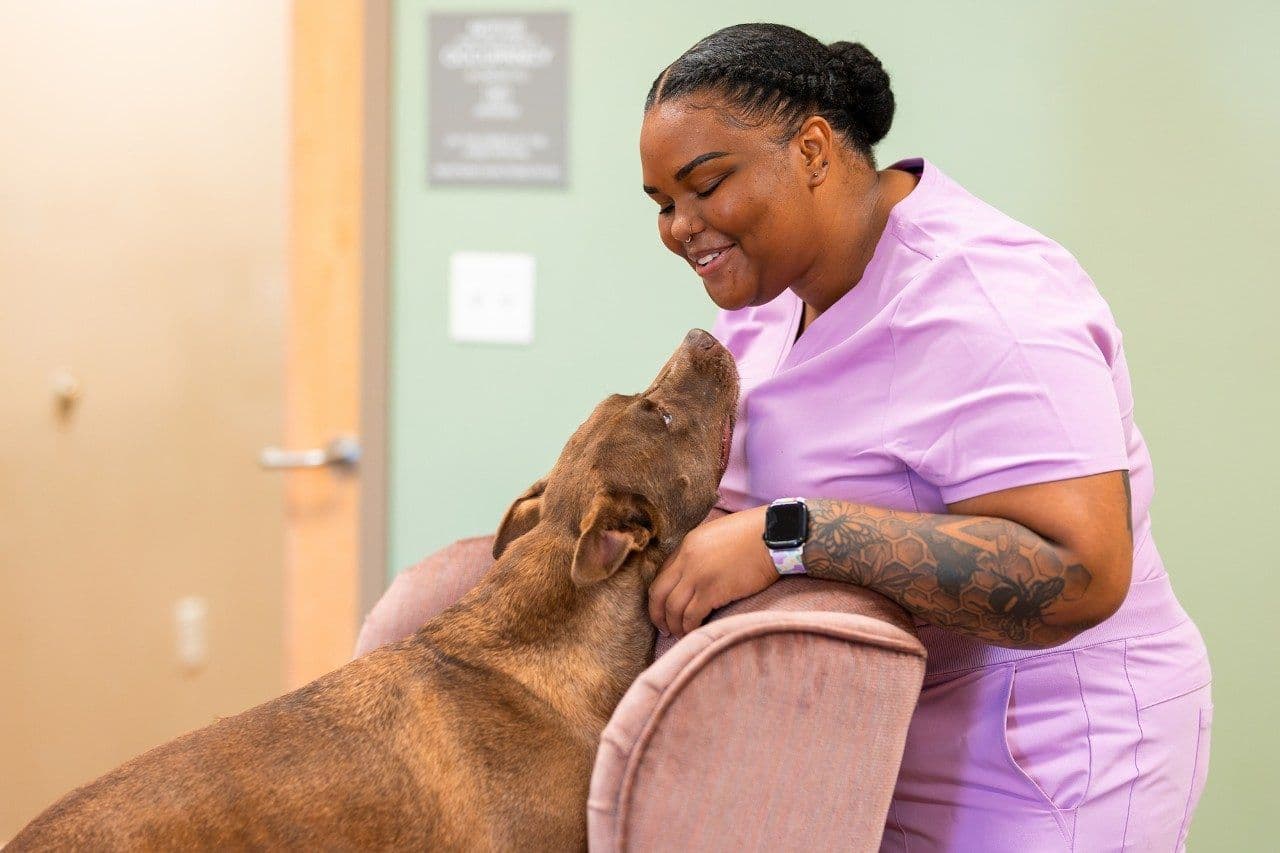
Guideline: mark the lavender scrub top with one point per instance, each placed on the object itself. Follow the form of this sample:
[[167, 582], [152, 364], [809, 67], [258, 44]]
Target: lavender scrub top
[[974, 355]]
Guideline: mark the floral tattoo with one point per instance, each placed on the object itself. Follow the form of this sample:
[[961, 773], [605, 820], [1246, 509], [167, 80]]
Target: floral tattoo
[[990, 578]]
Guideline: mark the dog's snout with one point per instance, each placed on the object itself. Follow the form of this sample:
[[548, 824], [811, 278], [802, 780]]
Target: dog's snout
[[698, 339]]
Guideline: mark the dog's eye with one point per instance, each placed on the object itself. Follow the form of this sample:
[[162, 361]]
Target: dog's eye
[[650, 406]]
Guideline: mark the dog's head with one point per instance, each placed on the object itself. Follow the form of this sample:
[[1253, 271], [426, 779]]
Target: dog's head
[[642, 470]]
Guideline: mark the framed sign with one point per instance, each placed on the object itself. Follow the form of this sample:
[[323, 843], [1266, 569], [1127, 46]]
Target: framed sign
[[498, 98]]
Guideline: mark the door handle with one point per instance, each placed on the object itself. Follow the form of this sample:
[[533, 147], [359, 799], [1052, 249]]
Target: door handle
[[343, 452]]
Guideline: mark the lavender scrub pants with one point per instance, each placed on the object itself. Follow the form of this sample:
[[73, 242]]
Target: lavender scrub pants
[[1102, 744]]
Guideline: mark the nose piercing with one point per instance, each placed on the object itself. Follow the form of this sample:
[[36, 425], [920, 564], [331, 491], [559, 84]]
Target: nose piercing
[[689, 239]]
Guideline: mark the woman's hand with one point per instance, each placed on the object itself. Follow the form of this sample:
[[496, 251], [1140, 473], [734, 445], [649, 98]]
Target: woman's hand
[[720, 561]]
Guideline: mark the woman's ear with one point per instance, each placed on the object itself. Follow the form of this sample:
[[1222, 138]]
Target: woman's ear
[[815, 140], [521, 517]]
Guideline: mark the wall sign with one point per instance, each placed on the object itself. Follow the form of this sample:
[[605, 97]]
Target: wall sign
[[498, 99]]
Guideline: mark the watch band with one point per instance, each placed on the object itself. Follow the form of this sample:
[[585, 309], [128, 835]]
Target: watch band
[[788, 561]]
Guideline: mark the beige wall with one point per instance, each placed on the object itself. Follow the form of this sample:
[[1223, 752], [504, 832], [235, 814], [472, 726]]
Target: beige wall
[[142, 213]]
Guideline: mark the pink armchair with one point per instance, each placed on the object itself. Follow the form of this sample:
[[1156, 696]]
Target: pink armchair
[[795, 701]]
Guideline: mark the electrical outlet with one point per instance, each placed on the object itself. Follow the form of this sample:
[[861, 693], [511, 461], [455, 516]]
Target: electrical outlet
[[190, 618]]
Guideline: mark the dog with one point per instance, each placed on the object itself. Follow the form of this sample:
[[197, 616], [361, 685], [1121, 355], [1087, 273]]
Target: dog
[[480, 731]]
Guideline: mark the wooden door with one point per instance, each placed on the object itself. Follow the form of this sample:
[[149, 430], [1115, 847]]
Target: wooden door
[[183, 248]]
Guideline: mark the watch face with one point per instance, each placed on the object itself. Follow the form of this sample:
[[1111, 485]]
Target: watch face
[[786, 524]]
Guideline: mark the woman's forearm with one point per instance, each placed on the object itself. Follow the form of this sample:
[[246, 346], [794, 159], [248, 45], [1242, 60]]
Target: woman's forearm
[[990, 578]]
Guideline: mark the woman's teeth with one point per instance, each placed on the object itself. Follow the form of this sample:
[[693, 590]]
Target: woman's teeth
[[706, 259]]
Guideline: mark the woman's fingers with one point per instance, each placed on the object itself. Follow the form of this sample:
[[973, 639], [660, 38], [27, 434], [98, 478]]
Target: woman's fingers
[[659, 590], [677, 603], [694, 613]]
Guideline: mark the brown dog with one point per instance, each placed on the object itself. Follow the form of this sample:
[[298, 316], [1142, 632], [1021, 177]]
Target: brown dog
[[480, 731]]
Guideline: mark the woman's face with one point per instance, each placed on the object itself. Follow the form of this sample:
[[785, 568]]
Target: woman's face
[[744, 199]]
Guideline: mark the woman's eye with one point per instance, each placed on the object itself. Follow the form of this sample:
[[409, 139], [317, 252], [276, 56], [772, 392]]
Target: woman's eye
[[709, 190], [670, 208]]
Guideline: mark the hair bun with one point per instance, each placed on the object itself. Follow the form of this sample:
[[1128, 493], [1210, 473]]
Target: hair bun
[[862, 82]]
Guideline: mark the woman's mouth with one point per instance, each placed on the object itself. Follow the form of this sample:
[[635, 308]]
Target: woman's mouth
[[707, 264]]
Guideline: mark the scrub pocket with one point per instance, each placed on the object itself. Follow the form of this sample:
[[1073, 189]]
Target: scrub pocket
[[1046, 731], [1104, 747], [1171, 685], [1151, 710], [995, 760], [1201, 771]]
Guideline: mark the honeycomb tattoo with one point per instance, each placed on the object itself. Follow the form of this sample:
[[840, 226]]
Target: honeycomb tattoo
[[990, 578]]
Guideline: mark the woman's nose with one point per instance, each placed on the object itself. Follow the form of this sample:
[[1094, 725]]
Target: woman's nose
[[683, 227]]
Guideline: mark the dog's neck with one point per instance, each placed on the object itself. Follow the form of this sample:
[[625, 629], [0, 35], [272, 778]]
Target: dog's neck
[[578, 648]]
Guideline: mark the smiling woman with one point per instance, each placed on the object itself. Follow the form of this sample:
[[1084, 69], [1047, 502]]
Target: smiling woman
[[739, 204], [949, 391]]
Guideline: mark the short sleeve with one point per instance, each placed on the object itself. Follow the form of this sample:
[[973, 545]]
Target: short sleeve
[[1002, 373]]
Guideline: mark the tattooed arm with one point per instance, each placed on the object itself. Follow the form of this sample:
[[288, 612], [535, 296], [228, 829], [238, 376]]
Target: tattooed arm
[[984, 570], [1026, 567]]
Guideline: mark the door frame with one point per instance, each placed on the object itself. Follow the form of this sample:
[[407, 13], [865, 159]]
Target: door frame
[[375, 333], [337, 324]]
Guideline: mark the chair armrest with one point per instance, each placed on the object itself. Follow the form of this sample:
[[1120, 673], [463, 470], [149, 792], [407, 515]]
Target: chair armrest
[[803, 593], [779, 724]]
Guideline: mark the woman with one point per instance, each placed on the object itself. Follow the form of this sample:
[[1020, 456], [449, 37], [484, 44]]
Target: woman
[[948, 393]]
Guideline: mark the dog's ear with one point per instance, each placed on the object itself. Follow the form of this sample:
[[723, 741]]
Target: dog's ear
[[615, 527], [522, 516]]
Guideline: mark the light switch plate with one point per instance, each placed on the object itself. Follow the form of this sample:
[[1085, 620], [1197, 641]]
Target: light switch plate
[[491, 297]]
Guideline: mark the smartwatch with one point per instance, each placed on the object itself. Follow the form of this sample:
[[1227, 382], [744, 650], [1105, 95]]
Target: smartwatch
[[786, 529]]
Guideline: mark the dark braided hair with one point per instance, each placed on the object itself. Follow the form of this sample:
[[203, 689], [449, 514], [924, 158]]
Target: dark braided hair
[[774, 73]]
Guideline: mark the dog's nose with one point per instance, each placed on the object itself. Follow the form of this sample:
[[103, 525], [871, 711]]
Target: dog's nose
[[699, 339]]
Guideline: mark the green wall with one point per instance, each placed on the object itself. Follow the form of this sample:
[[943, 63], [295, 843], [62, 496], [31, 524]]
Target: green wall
[[1141, 135]]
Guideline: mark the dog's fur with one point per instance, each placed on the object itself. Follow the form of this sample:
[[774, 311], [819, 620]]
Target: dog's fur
[[480, 731]]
